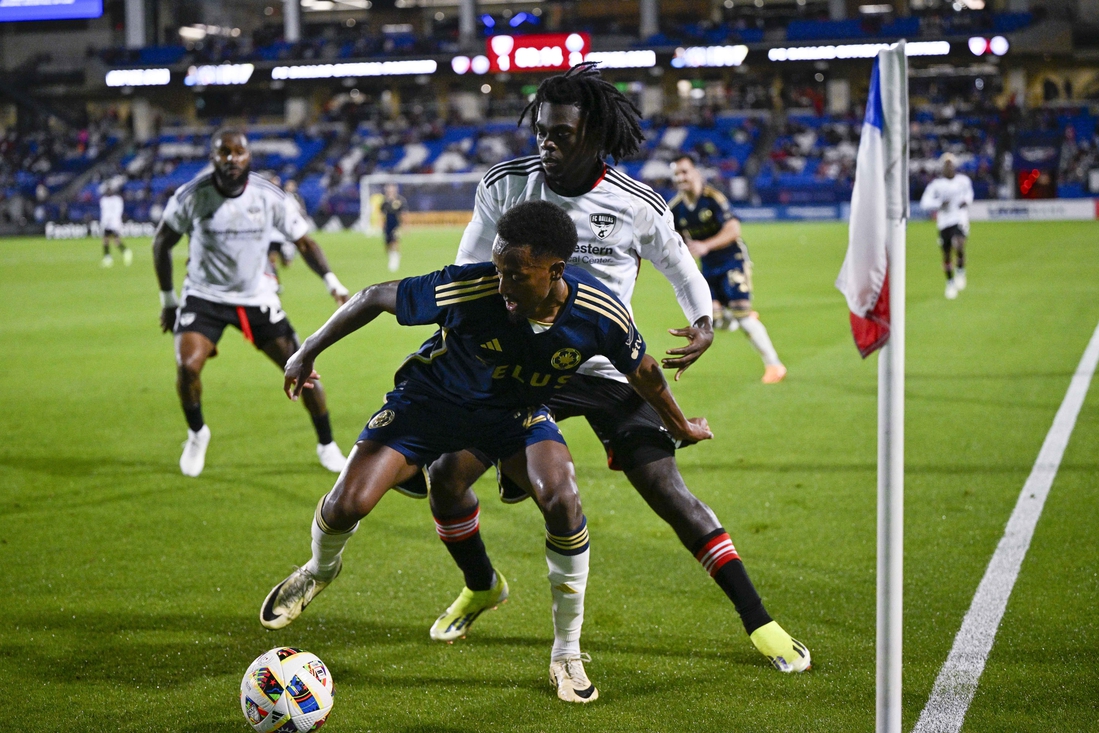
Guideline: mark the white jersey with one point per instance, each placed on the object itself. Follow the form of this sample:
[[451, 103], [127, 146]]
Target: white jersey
[[229, 238], [110, 212], [619, 223], [953, 192]]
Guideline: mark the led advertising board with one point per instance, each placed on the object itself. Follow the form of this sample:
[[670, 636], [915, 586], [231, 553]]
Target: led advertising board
[[538, 52], [15, 10]]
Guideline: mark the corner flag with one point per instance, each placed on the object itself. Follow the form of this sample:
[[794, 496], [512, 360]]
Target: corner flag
[[873, 281], [880, 194]]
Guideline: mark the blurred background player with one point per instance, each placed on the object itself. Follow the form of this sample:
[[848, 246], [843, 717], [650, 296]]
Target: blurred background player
[[393, 209], [229, 213], [110, 221], [948, 198], [712, 232]]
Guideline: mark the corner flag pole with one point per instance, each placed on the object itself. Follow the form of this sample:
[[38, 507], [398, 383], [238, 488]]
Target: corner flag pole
[[890, 566]]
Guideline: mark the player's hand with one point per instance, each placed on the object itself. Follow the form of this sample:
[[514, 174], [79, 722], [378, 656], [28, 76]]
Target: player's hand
[[299, 374], [699, 337], [697, 431], [341, 298], [168, 319], [696, 248]]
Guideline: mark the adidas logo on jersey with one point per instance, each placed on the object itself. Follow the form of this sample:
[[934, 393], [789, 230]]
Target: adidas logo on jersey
[[493, 345]]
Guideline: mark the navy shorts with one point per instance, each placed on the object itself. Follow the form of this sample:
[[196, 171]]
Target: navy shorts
[[732, 284], [423, 427], [391, 234]]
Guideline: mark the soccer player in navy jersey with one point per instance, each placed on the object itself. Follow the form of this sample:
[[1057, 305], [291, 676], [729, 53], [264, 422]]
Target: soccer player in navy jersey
[[579, 120], [712, 232], [512, 333]]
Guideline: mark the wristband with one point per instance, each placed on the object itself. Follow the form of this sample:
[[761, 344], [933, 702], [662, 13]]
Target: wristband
[[168, 299], [334, 285]]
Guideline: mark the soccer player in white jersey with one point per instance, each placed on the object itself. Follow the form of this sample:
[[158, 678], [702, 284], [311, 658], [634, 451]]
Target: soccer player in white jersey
[[949, 197], [579, 119], [229, 214], [110, 222]]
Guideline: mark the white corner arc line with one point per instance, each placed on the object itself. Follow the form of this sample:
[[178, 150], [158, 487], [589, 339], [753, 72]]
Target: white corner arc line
[[957, 681]]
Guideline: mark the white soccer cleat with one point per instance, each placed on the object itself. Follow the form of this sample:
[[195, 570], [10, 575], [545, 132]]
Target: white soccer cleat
[[107, 261], [951, 291], [331, 457], [572, 684], [959, 279], [289, 598], [193, 459], [128, 257]]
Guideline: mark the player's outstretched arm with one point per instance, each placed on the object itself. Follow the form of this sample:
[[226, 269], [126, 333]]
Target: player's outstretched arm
[[361, 309], [313, 256], [729, 233], [648, 381], [163, 241]]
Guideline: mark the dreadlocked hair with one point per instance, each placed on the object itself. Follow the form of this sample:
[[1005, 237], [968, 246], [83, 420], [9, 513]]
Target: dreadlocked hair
[[613, 118]]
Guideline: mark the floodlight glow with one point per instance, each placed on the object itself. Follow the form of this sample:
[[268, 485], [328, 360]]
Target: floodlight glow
[[460, 64], [623, 59], [364, 68], [138, 77], [480, 64], [978, 45], [998, 45], [697, 56], [221, 75]]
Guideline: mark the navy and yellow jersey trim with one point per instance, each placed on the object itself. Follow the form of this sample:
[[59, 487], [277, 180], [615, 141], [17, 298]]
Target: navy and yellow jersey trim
[[518, 167], [325, 527], [461, 291], [573, 544], [598, 301], [719, 197]]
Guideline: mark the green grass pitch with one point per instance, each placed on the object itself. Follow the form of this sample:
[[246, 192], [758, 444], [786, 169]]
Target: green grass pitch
[[130, 594]]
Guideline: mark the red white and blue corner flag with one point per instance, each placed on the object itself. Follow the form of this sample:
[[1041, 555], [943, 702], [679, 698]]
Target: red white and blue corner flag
[[880, 194]]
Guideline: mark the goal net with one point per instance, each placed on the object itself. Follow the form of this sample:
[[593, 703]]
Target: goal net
[[432, 198]]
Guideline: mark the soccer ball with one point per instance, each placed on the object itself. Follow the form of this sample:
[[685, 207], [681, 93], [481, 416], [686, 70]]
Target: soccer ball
[[286, 690]]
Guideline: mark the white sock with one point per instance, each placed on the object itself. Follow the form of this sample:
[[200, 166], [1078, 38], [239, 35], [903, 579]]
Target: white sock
[[568, 577], [328, 544], [394, 261], [757, 335]]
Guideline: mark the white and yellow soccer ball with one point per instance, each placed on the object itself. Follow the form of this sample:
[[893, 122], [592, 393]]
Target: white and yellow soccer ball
[[286, 690]]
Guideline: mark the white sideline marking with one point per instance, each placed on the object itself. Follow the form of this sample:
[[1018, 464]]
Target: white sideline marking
[[957, 681]]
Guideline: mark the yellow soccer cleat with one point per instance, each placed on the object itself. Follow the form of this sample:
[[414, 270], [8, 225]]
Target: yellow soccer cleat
[[786, 653], [456, 620]]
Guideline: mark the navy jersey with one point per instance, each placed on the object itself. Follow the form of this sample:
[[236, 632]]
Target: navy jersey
[[704, 220], [392, 209], [480, 355]]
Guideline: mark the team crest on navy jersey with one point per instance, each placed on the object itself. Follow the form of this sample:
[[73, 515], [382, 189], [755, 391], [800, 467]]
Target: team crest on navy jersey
[[382, 419], [565, 359], [602, 224]]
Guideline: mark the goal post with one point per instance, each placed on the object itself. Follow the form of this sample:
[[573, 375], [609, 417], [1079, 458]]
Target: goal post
[[433, 198]]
